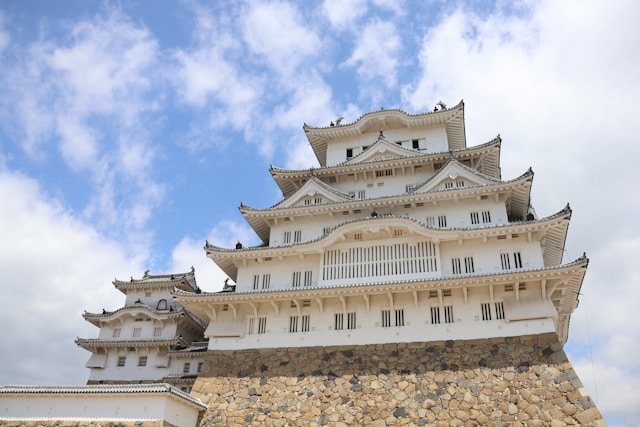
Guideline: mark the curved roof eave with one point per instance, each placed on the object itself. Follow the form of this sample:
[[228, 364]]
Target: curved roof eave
[[249, 212], [288, 180], [453, 281], [97, 318], [225, 258], [170, 280], [518, 205], [382, 120]]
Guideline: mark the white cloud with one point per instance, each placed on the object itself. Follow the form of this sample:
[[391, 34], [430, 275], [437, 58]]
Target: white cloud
[[276, 31], [4, 35], [190, 251], [53, 266], [209, 78], [376, 52], [344, 13], [91, 98]]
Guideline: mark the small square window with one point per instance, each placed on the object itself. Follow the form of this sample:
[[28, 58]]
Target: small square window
[[122, 360], [142, 361]]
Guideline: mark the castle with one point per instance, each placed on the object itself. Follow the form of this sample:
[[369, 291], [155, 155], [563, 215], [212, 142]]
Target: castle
[[401, 282]]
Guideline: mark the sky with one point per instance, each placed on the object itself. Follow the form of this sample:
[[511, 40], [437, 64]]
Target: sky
[[131, 131]]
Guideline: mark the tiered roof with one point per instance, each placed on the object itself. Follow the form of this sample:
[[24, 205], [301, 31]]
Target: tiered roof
[[452, 118], [553, 229], [185, 281]]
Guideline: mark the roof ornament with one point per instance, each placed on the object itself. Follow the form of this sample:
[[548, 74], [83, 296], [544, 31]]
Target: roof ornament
[[238, 245], [381, 135], [440, 106], [374, 214], [146, 273], [338, 120], [193, 270]]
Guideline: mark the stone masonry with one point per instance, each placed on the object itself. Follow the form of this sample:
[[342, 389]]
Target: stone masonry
[[518, 381]]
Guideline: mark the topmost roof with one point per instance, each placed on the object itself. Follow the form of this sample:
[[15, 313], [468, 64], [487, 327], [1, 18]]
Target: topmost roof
[[186, 281], [452, 118]]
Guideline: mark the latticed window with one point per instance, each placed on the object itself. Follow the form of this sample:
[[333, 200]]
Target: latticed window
[[297, 236], [468, 265], [486, 217], [456, 266], [442, 221], [351, 320], [116, 332], [122, 360], [157, 331], [517, 260], [400, 317], [262, 325], [379, 260], [339, 322], [308, 276], [448, 314], [186, 368], [305, 321], [486, 311], [435, 315], [266, 281], [499, 310], [386, 318], [505, 262], [142, 361], [475, 218], [136, 332], [287, 237], [293, 323], [295, 281]]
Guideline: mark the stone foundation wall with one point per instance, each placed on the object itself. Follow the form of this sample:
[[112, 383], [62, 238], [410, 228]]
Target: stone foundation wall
[[84, 423], [520, 381]]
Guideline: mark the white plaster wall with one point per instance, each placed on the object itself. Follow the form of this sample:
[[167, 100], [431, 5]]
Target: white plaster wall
[[418, 326], [151, 297], [156, 368], [434, 141], [134, 406], [127, 324]]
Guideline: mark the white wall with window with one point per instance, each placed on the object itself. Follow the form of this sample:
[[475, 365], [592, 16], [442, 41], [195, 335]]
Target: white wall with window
[[437, 315]]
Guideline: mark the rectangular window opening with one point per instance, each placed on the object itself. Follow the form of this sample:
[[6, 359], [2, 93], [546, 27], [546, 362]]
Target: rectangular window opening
[[486, 311]]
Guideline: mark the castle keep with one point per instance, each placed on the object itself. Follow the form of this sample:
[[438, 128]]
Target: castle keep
[[401, 282]]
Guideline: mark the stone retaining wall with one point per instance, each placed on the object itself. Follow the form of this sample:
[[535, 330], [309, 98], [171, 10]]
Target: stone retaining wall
[[520, 381], [83, 423]]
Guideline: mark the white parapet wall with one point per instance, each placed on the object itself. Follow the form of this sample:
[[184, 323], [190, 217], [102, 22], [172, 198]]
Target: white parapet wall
[[126, 402]]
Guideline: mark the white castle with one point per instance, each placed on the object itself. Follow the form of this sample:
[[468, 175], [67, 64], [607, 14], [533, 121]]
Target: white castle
[[402, 234], [152, 338]]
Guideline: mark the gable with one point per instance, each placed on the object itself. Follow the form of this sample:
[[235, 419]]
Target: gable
[[454, 175], [313, 192], [382, 150]]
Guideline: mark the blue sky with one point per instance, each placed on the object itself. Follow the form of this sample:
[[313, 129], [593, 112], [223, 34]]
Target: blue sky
[[131, 131]]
